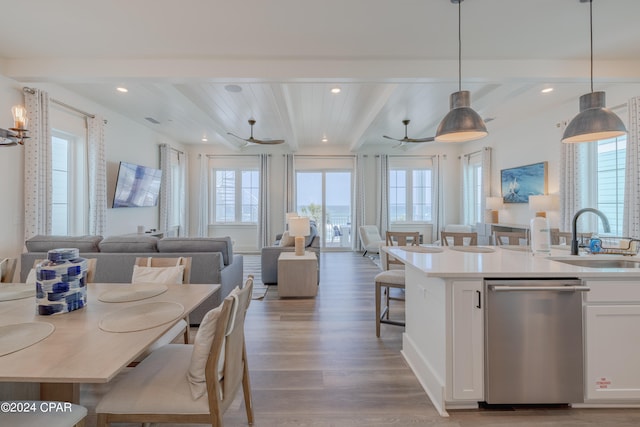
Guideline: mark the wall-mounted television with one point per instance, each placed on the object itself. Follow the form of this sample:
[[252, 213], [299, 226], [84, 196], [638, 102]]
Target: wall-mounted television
[[136, 186]]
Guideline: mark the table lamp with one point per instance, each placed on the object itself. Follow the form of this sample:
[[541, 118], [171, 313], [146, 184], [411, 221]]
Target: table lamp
[[493, 204], [542, 203], [299, 227], [288, 217]]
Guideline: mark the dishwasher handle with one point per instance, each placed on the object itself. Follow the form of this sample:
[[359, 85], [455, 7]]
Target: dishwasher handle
[[504, 288]]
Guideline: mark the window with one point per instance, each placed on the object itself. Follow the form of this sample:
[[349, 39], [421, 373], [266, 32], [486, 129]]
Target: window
[[236, 195], [410, 194], [611, 156], [69, 210]]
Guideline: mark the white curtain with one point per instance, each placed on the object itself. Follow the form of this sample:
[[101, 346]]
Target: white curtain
[[466, 190], [264, 238], [486, 177], [202, 204], [438, 212], [37, 166], [289, 186], [382, 217], [570, 191], [173, 192], [97, 171], [631, 217], [166, 189], [359, 202]]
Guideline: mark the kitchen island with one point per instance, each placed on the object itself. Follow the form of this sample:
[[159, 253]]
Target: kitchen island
[[444, 336]]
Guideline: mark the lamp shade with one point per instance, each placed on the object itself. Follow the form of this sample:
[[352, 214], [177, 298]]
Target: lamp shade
[[299, 226], [594, 122], [494, 203], [542, 203], [461, 123], [290, 215]]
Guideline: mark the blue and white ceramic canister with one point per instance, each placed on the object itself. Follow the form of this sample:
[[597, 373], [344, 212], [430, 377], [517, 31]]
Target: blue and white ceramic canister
[[61, 282]]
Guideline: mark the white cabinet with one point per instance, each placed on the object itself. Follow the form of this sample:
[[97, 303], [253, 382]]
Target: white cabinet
[[612, 341], [467, 341]]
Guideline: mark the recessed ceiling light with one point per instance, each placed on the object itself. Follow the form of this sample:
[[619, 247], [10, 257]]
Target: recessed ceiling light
[[233, 88], [122, 89], [204, 139], [325, 139], [336, 90], [547, 90]]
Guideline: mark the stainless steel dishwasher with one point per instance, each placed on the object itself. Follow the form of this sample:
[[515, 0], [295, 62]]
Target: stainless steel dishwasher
[[533, 341]]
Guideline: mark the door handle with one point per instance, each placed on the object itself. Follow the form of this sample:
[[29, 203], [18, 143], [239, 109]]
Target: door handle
[[540, 288]]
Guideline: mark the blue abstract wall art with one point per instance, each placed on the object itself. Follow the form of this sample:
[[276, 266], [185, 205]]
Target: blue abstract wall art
[[524, 181]]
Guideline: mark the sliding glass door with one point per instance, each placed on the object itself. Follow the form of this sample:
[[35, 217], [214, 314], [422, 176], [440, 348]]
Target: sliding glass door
[[325, 197]]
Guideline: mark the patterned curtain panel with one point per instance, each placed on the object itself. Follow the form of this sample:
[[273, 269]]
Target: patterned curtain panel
[[97, 169], [631, 217], [263, 205], [202, 204], [359, 201], [486, 177], [289, 186], [166, 189], [382, 220], [570, 191], [37, 166]]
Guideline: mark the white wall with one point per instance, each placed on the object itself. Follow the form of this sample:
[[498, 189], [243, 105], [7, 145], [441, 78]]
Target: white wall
[[125, 140]]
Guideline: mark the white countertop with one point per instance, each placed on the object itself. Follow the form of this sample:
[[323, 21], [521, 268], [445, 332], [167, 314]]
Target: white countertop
[[504, 262]]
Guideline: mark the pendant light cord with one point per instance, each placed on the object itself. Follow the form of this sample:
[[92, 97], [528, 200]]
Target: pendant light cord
[[591, 39], [460, 46]]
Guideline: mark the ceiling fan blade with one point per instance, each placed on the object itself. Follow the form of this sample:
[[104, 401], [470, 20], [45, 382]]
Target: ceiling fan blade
[[429, 139], [388, 137], [268, 141], [239, 137]]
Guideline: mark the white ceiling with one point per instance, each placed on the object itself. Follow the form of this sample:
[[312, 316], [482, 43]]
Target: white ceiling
[[392, 59]]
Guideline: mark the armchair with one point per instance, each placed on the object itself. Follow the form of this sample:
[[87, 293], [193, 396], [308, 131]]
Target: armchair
[[269, 255], [370, 238]]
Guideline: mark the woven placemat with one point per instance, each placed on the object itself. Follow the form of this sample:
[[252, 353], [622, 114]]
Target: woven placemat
[[130, 293], [141, 316], [18, 336]]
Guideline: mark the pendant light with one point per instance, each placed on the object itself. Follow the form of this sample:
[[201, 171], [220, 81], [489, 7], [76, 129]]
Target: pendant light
[[461, 123], [595, 121]]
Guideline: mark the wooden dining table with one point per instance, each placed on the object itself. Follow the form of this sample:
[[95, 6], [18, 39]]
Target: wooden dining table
[[78, 350]]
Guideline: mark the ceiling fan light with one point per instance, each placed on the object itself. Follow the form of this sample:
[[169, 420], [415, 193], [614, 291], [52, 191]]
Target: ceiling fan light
[[461, 123], [594, 122]]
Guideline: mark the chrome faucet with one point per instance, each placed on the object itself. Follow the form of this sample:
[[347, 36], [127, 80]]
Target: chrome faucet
[[574, 225]]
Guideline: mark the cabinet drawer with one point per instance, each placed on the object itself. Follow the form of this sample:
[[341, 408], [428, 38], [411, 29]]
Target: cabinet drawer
[[613, 291]]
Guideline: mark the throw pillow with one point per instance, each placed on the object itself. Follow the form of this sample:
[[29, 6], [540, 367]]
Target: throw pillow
[[201, 347], [164, 275], [287, 240]]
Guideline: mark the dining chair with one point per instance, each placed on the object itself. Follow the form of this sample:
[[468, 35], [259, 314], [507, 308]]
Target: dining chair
[[192, 384], [49, 413], [164, 271], [7, 270], [91, 271], [510, 238], [458, 239], [564, 237], [391, 277]]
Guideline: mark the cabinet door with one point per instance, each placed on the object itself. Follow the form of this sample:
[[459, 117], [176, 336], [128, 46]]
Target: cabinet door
[[468, 341], [612, 352]]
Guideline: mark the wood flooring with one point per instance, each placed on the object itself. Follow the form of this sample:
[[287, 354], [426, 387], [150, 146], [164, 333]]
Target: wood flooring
[[316, 362]]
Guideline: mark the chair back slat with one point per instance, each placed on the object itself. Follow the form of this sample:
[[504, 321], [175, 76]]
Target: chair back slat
[[458, 238], [167, 262]]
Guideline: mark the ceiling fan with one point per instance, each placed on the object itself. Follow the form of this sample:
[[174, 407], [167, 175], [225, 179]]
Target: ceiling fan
[[406, 139], [253, 140]]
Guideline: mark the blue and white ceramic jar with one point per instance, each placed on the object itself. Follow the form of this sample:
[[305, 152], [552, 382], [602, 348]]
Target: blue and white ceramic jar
[[61, 282]]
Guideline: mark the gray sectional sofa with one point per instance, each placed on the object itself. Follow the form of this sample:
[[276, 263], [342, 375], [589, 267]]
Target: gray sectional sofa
[[212, 259]]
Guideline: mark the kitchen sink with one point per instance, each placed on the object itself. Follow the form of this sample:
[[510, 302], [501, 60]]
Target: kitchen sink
[[600, 262]]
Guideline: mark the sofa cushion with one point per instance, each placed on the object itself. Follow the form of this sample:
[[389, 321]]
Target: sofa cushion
[[42, 243], [313, 232], [129, 244], [198, 244], [287, 240]]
